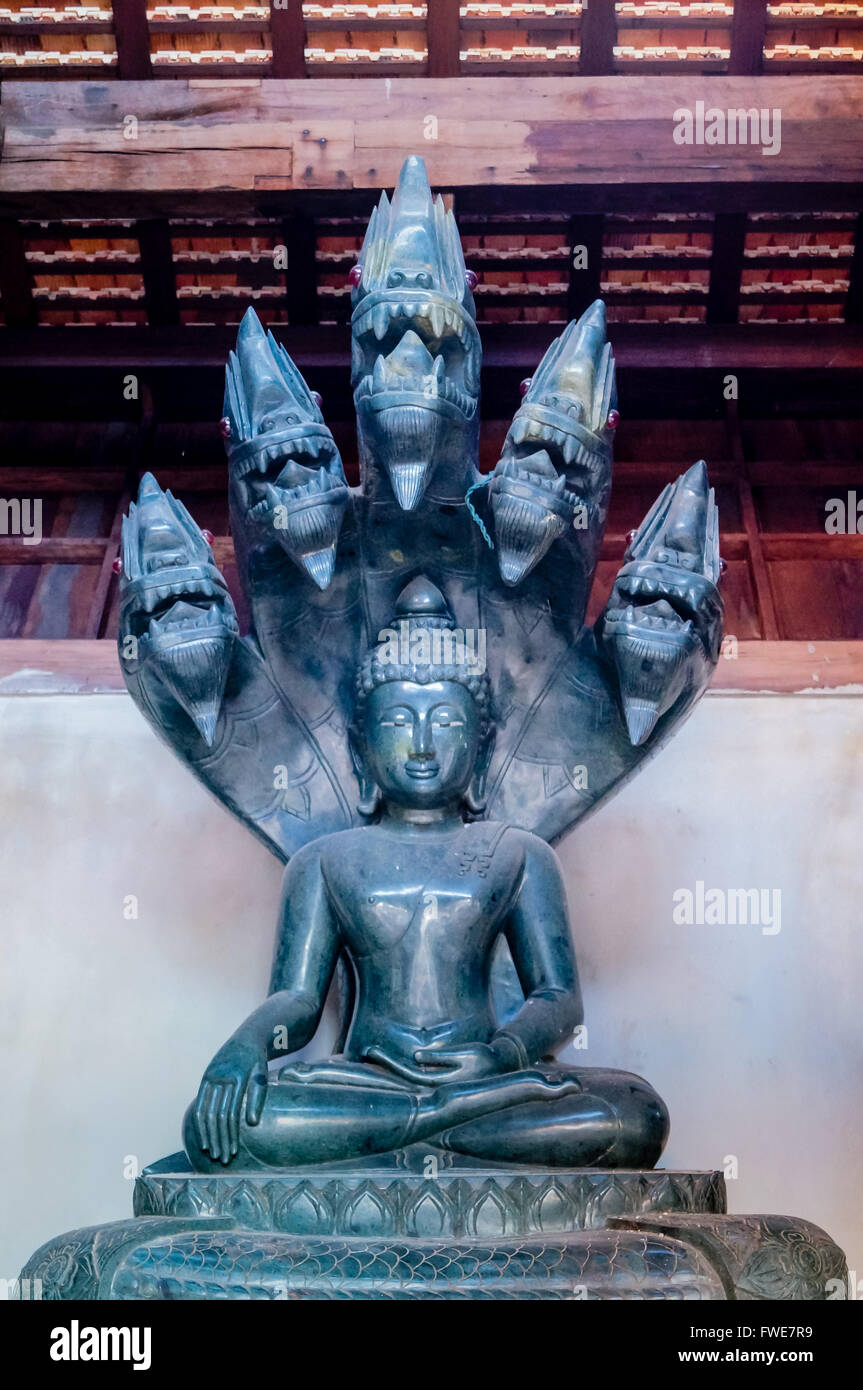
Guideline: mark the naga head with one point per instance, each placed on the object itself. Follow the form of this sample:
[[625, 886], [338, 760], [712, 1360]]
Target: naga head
[[663, 622], [415, 346], [177, 619], [554, 475], [423, 733], [287, 480]]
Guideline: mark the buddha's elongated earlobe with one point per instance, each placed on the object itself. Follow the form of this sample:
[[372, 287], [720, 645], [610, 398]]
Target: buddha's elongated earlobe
[[475, 797], [370, 793], [370, 797]]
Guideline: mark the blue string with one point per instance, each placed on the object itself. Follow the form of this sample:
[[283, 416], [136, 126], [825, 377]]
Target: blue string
[[472, 509]]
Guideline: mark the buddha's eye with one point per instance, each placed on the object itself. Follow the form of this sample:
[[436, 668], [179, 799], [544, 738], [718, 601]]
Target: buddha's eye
[[443, 719], [399, 720]]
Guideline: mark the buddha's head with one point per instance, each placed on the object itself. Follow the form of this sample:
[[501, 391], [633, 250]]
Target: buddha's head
[[422, 734]]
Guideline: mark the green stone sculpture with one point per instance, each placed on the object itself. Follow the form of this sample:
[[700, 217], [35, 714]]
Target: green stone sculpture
[[416, 714]]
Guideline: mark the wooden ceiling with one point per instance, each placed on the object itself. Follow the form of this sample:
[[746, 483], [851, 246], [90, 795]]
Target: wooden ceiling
[[131, 39], [138, 256]]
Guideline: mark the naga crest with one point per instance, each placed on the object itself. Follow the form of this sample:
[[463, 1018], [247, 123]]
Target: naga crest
[[176, 613], [664, 614], [286, 472], [555, 470], [427, 544], [415, 347]]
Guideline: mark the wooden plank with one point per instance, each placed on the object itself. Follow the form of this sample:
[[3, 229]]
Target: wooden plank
[[102, 587], [132, 35], [757, 561], [443, 38], [811, 546], [788, 668], [157, 270], [245, 142], [288, 35], [784, 668], [748, 28], [598, 37], [63, 550], [16, 282]]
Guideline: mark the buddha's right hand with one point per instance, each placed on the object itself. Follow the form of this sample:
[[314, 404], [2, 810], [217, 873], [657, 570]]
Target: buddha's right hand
[[237, 1072]]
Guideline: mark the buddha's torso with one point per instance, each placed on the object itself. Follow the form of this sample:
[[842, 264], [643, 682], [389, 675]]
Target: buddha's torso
[[419, 912]]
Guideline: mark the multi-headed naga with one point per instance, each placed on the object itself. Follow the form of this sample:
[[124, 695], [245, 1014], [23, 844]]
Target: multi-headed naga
[[417, 711]]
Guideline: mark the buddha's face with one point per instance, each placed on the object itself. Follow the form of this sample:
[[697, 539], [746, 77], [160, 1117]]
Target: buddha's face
[[421, 742]]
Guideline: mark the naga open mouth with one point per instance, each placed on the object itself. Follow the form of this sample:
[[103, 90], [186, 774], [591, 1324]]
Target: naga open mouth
[[651, 606], [295, 464], [444, 374], [191, 604], [560, 432], [533, 506]]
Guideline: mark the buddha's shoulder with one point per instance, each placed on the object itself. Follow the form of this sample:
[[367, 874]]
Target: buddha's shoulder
[[518, 841], [493, 834]]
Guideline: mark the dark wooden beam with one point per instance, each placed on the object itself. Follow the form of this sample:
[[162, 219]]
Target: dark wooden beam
[[649, 347], [132, 35], [302, 273], [157, 272], [585, 244], [748, 28], [757, 560], [443, 38], [562, 144], [726, 267], [16, 284], [598, 37], [854, 302], [288, 34]]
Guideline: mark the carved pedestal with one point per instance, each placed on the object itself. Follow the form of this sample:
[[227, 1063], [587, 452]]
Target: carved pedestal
[[420, 1225]]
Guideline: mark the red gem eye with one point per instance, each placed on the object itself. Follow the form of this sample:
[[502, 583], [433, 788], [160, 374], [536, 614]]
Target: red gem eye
[[117, 565], [723, 566], [524, 386], [613, 420], [630, 537], [355, 275], [318, 399], [208, 535], [225, 427], [471, 280]]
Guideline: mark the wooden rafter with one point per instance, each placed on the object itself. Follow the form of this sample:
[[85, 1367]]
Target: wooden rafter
[[132, 35], [288, 33], [255, 146]]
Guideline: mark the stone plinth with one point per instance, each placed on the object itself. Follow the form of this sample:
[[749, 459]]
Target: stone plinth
[[455, 1201]]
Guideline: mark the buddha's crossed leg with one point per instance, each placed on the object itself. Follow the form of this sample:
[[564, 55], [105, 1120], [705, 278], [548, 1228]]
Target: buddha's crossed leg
[[550, 1115]]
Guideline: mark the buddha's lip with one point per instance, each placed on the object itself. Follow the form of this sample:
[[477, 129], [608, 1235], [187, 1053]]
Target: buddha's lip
[[422, 770]]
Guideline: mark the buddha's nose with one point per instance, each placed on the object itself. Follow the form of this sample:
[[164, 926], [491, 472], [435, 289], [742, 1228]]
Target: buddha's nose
[[423, 743]]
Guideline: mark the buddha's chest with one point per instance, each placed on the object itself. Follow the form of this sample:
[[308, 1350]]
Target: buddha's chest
[[437, 900]]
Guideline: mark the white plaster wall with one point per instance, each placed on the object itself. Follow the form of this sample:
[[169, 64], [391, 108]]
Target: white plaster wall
[[755, 1041]]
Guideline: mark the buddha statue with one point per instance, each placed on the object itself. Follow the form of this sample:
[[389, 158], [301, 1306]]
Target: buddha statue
[[415, 900], [413, 777]]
